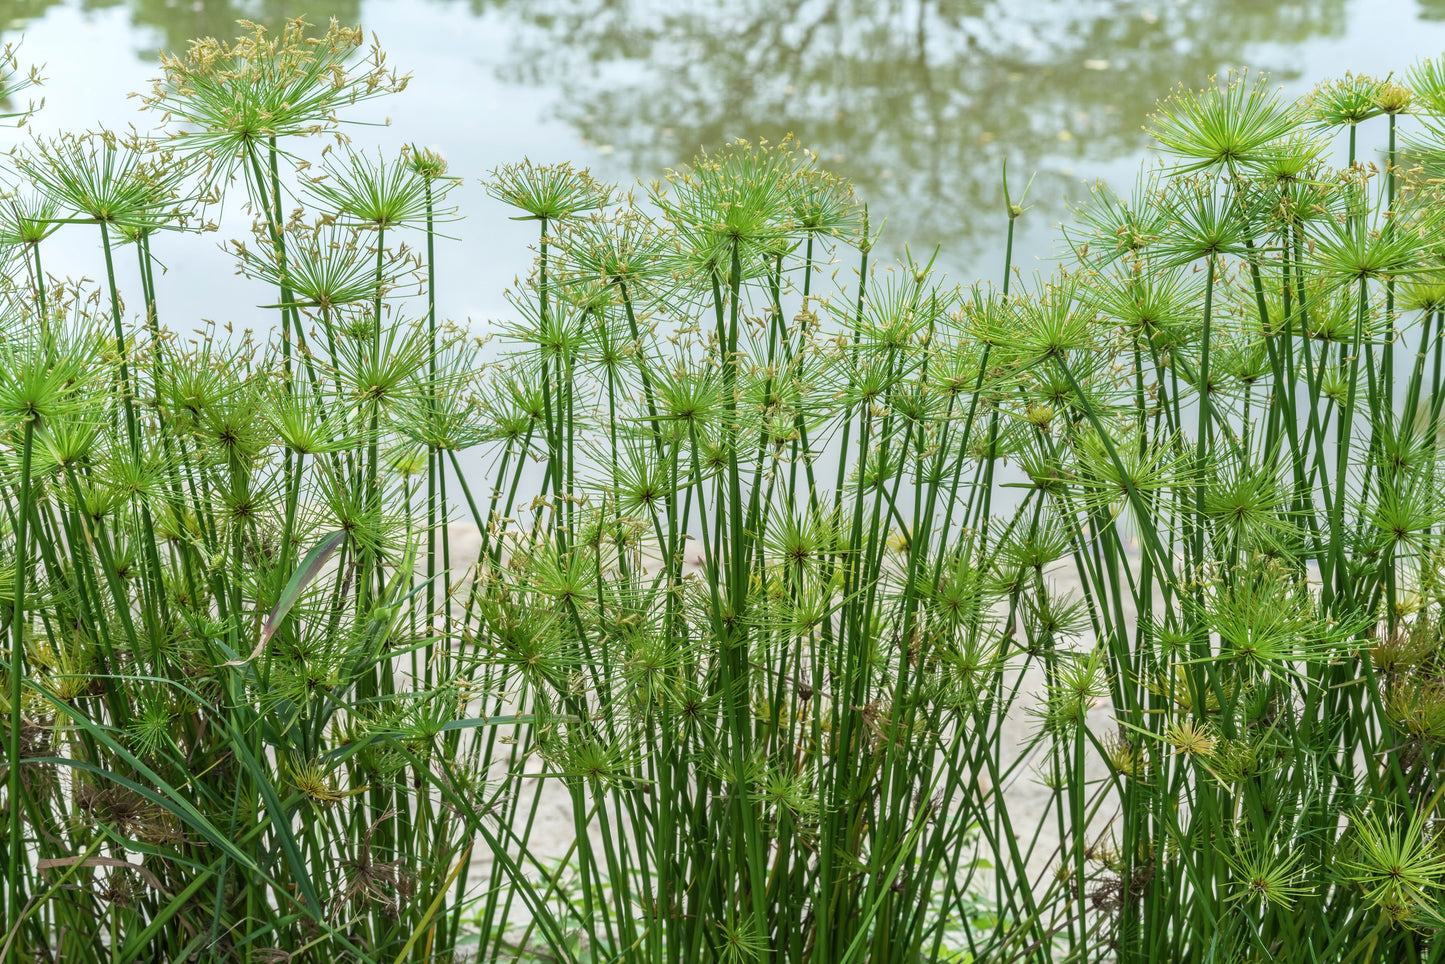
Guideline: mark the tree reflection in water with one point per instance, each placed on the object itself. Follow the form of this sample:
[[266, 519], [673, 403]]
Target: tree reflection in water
[[176, 22], [917, 101]]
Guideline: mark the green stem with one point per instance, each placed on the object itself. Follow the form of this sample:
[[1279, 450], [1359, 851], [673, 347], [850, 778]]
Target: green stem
[[16, 844], [126, 387]]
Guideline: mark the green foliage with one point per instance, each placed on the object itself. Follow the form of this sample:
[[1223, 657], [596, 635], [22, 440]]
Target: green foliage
[[773, 558]]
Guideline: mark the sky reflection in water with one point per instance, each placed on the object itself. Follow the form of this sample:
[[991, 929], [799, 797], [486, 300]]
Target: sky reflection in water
[[919, 103]]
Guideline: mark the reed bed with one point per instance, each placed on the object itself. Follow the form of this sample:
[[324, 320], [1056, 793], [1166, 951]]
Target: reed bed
[[770, 543]]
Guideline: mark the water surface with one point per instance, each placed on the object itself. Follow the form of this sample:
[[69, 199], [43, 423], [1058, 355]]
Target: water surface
[[919, 103]]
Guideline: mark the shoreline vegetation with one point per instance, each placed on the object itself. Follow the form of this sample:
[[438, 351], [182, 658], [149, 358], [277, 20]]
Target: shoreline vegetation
[[787, 570]]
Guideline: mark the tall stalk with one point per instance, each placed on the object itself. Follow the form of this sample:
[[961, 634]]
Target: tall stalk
[[16, 849]]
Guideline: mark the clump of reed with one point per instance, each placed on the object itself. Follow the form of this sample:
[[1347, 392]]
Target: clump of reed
[[774, 547], [240, 732]]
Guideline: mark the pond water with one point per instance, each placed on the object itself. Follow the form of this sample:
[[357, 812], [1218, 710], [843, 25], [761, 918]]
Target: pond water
[[919, 102]]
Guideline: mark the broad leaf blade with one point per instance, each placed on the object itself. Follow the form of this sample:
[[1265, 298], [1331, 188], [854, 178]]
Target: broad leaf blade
[[299, 582]]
